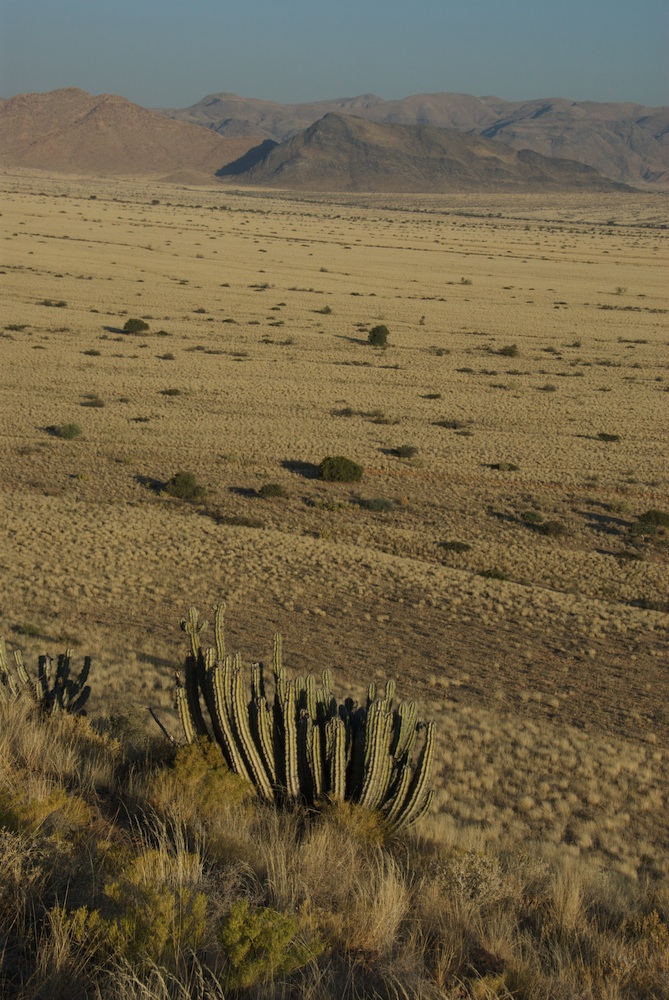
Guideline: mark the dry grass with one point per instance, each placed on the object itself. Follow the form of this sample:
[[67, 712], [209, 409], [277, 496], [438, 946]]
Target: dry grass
[[135, 891]]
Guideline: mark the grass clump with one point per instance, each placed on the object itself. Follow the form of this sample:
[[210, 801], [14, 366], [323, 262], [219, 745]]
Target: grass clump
[[67, 431], [605, 436], [380, 505], [339, 469], [509, 351], [135, 326], [378, 335], [455, 546], [269, 491], [184, 486], [405, 451], [170, 392], [649, 522]]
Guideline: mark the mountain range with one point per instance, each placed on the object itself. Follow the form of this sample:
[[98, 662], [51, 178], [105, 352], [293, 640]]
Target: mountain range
[[625, 141], [430, 143]]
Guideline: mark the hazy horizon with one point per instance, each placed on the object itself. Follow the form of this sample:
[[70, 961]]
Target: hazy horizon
[[599, 50]]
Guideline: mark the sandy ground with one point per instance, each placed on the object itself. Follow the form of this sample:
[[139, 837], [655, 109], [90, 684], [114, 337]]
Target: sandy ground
[[256, 365]]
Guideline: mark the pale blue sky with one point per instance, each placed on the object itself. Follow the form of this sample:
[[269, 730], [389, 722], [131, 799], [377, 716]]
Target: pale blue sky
[[170, 53]]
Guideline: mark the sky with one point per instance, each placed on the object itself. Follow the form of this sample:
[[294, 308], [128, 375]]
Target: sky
[[171, 53]]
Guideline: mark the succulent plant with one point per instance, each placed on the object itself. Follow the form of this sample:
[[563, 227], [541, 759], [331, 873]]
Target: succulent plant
[[301, 745], [54, 689]]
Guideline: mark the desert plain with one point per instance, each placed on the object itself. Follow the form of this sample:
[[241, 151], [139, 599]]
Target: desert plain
[[512, 432]]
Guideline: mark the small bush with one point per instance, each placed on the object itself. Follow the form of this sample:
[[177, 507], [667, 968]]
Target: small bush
[[378, 336], [170, 392], [166, 357], [337, 468], [649, 522], [67, 431], [455, 546], [184, 486], [505, 467], [380, 505], [552, 528], [135, 326], [509, 351], [531, 517], [405, 451], [56, 304], [269, 490], [603, 436], [451, 425], [262, 944], [92, 353]]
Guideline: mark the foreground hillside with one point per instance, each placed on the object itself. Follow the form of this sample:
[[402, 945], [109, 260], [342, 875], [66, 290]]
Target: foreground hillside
[[133, 870]]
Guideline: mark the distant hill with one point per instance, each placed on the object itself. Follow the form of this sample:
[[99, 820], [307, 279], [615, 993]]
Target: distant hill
[[345, 153], [627, 142], [70, 130]]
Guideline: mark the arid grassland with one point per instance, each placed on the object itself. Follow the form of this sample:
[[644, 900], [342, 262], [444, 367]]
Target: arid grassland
[[504, 557]]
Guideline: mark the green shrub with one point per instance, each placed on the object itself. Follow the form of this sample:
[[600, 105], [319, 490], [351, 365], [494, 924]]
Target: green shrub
[[380, 505], [378, 336], [184, 486], [552, 528], [455, 546], [531, 517], [405, 451], [269, 490], [337, 468], [262, 944], [67, 431], [135, 326], [649, 522]]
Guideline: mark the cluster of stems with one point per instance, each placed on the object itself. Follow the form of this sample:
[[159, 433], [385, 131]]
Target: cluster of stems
[[54, 690], [301, 745]]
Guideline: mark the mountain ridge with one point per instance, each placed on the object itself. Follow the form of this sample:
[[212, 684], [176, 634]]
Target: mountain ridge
[[626, 141]]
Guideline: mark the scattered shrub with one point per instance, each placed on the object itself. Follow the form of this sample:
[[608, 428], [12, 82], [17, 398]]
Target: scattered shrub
[[135, 326], [604, 436], [56, 304], [405, 451], [552, 528], [509, 351], [380, 505], [378, 336], [455, 546], [337, 468], [67, 431], [531, 517], [649, 522], [170, 392], [505, 467], [166, 357], [184, 486], [269, 490]]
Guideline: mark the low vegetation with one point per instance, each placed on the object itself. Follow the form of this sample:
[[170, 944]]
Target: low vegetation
[[339, 469]]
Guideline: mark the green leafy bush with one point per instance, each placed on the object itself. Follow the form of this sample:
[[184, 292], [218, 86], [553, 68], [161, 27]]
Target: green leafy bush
[[649, 522], [455, 546], [67, 431], [337, 468], [269, 490], [380, 505], [184, 486], [262, 944], [378, 335], [135, 326]]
